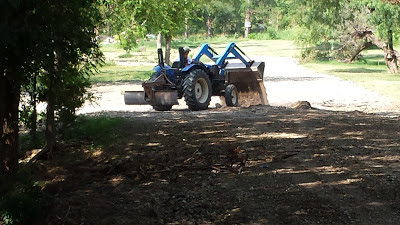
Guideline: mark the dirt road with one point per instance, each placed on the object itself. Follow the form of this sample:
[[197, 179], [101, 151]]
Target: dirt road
[[286, 83]]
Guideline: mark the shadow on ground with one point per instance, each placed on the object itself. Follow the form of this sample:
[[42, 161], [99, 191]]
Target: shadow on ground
[[257, 165]]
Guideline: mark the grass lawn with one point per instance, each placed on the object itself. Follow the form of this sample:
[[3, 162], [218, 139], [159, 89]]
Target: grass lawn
[[114, 73], [370, 73]]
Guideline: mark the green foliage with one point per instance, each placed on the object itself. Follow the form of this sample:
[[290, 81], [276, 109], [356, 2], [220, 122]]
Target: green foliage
[[126, 55], [28, 142], [128, 38], [98, 130], [384, 16], [271, 34], [225, 16], [335, 21], [21, 199]]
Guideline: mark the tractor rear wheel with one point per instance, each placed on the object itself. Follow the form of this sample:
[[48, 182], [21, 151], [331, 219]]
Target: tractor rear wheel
[[231, 95], [197, 90]]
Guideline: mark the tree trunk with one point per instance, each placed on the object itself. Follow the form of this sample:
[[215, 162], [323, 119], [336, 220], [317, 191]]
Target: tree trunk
[[247, 22], [159, 40], [390, 54], [359, 50], [186, 28], [50, 121], [168, 39], [51, 103], [33, 117], [9, 98], [209, 27]]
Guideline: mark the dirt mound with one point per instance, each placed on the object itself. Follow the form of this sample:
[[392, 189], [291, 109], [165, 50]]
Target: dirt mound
[[302, 105]]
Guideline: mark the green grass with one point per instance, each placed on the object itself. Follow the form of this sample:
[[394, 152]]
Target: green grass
[[114, 73], [370, 74], [114, 47]]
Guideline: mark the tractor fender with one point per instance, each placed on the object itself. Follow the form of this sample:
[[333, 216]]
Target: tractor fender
[[158, 68], [169, 72], [191, 67]]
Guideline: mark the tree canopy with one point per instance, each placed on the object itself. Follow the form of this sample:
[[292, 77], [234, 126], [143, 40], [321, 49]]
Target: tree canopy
[[342, 29], [54, 41]]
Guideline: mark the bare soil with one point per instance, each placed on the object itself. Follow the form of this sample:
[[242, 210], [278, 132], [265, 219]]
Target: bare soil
[[241, 165]]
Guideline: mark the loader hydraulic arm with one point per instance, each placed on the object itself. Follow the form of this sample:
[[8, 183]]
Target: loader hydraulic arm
[[237, 53], [232, 51], [205, 49]]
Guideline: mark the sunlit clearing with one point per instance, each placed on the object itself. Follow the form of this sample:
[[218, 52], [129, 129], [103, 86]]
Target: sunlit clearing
[[97, 152], [289, 170], [345, 182], [153, 144], [329, 170], [376, 204], [160, 132], [355, 135], [388, 158], [273, 135], [213, 132], [320, 183], [228, 139], [116, 180], [264, 123], [231, 213]]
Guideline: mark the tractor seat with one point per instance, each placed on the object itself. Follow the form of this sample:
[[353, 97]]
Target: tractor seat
[[176, 64]]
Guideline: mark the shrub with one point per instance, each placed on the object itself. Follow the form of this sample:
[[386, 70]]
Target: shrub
[[99, 130], [21, 199]]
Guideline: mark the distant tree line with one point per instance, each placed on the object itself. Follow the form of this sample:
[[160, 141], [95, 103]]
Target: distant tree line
[[326, 28]]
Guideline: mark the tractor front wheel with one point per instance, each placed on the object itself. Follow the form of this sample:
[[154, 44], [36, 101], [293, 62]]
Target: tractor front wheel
[[197, 90], [231, 95]]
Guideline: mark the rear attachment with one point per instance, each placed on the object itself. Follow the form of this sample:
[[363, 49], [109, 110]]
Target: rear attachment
[[248, 81], [160, 98], [155, 93]]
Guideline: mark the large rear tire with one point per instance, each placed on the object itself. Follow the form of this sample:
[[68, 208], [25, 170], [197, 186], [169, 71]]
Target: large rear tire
[[197, 90]]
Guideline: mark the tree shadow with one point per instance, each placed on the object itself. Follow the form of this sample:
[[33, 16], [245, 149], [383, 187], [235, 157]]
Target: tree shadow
[[257, 165], [358, 70]]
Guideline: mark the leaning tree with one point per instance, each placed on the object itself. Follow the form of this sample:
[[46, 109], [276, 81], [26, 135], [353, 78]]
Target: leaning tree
[[345, 28]]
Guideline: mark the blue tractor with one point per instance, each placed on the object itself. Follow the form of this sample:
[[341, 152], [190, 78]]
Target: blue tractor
[[231, 75]]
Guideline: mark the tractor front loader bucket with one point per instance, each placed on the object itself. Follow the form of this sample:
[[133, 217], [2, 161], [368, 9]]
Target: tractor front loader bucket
[[248, 81]]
